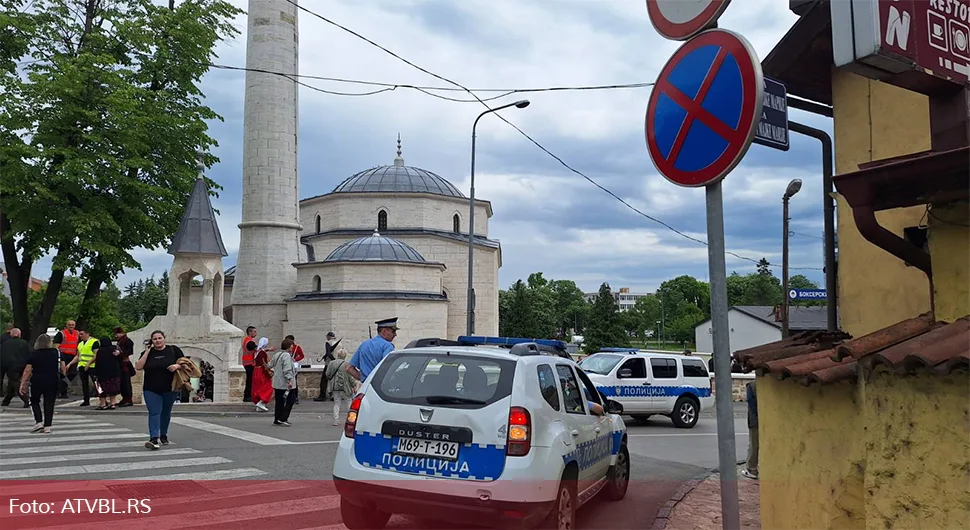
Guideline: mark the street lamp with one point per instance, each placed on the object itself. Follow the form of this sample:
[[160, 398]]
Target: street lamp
[[793, 187], [470, 324]]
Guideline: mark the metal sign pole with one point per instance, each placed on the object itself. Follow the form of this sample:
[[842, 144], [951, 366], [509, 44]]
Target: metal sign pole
[[727, 453]]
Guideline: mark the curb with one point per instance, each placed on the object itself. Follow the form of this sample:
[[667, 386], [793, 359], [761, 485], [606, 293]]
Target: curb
[[663, 514]]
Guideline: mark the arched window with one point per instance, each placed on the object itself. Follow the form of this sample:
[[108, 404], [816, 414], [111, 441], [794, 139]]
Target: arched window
[[318, 224], [316, 284], [456, 224], [381, 221]]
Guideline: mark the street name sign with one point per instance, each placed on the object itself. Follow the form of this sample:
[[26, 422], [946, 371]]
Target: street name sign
[[806, 294], [682, 19], [773, 127], [704, 110]]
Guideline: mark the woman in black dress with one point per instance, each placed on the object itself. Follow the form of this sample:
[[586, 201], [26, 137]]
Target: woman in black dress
[[43, 376], [107, 367]]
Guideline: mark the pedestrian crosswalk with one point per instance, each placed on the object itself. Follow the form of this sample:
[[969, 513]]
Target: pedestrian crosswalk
[[89, 471]]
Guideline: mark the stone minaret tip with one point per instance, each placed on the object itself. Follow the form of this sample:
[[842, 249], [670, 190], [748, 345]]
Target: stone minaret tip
[[398, 161]]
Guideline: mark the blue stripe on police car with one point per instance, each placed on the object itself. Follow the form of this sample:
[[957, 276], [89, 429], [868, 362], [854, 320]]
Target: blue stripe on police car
[[475, 462], [652, 391]]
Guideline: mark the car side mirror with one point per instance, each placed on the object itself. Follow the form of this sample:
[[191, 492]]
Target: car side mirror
[[613, 407], [626, 372]]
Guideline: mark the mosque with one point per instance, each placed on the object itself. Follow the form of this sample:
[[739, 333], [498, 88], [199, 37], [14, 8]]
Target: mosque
[[389, 241]]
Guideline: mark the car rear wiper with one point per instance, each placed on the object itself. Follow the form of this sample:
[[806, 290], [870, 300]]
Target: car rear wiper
[[441, 400]]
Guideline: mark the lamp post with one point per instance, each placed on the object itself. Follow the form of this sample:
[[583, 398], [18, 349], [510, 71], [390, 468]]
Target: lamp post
[[470, 322], [793, 187]]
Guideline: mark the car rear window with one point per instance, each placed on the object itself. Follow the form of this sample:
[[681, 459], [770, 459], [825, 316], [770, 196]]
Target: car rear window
[[444, 380], [694, 368]]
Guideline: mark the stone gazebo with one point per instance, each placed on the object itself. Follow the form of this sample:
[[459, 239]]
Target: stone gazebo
[[197, 328]]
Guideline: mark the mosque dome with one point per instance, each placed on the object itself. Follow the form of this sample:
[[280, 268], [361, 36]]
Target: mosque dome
[[398, 178], [375, 248]]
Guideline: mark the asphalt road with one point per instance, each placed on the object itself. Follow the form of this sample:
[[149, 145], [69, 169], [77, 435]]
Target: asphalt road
[[108, 445]]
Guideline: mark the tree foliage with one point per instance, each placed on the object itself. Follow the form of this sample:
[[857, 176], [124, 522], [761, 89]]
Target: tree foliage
[[541, 308], [605, 328], [100, 131]]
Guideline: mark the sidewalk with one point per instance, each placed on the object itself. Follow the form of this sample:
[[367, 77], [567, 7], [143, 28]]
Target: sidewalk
[[700, 508], [65, 406]]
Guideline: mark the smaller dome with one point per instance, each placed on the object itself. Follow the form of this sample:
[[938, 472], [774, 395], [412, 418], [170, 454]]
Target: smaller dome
[[375, 248]]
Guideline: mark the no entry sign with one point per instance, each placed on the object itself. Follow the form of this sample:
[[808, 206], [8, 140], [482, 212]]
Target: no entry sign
[[682, 19], [704, 110]]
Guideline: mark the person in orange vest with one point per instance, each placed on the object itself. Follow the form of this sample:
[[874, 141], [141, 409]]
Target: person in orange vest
[[248, 352], [67, 340]]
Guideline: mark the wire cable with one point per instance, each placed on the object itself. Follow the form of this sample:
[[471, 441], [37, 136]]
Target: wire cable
[[537, 144]]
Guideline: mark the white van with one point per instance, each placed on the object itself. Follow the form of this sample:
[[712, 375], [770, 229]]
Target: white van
[[673, 385]]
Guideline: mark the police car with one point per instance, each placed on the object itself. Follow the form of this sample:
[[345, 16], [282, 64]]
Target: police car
[[646, 383], [466, 433]]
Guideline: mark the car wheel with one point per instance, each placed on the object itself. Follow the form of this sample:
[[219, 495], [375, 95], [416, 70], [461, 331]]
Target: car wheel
[[563, 513], [618, 477], [686, 413], [360, 518]]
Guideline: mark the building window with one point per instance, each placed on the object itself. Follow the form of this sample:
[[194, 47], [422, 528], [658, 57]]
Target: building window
[[318, 224], [381, 221], [456, 224], [316, 284]]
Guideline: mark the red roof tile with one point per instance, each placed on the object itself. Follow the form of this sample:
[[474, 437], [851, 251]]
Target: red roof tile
[[823, 357]]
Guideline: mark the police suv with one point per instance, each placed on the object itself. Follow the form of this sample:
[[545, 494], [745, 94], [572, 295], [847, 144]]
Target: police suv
[[466, 432], [646, 383]]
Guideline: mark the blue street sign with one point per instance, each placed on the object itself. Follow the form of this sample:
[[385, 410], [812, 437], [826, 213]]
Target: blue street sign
[[773, 127], [806, 294], [705, 108]]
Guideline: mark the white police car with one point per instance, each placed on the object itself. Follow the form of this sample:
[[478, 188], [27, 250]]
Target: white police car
[[644, 384], [480, 435]]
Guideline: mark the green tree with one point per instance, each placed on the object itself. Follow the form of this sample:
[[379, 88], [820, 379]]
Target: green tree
[[763, 287], [570, 308], [110, 121], [605, 328], [102, 311], [142, 301], [525, 311]]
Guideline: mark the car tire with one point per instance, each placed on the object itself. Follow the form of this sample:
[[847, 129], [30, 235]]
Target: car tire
[[618, 477], [360, 518], [563, 513], [686, 413]]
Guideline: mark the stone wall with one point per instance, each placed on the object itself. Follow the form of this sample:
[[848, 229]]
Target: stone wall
[[738, 386], [370, 276], [309, 321], [410, 210], [308, 382]]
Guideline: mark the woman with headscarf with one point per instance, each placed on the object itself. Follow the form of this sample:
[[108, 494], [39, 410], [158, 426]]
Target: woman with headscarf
[[262, 377], [107, 369]]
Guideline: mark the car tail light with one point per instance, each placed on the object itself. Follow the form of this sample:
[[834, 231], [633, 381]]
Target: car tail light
[[520, 432], [351, 422]]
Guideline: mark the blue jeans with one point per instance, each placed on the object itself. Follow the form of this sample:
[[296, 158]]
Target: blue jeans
[[159, 412]]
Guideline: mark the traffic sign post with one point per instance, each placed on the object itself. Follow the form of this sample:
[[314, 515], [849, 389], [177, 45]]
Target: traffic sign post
[[702, 117], [773, 127]]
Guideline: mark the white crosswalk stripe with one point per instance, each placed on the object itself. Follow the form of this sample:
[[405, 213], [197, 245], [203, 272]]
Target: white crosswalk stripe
[[95, 458], [95, 448]]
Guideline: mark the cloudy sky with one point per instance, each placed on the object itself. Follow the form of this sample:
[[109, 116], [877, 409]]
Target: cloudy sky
[[540, 207]]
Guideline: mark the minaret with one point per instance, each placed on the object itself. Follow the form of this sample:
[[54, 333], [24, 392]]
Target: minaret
[[270, 228]]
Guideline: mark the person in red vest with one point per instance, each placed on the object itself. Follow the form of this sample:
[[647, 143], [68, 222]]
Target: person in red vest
[[67, 340], [248, 352]]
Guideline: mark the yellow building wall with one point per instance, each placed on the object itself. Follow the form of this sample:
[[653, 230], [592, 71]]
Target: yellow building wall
[[874, 121], [812, 450], [917, 441], [949, 240]]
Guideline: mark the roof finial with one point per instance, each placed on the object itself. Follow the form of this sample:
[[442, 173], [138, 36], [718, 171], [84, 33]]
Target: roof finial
[[199, 163], [398, 161], [376, 233]]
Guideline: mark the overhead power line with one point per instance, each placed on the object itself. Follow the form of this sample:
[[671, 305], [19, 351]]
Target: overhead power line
[[537, 144]]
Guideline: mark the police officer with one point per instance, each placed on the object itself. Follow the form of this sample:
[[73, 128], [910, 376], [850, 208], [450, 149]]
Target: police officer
[[372, 351]]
